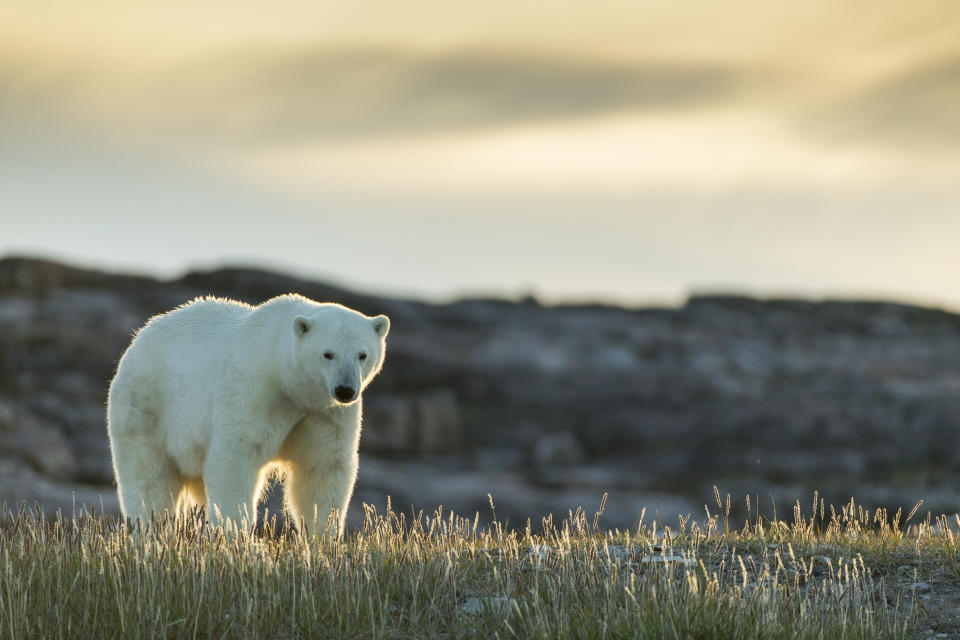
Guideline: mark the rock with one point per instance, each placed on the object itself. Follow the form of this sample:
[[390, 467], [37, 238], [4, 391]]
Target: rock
[[19, 484], [426, 422], [41, 444], [416, 484], [920, 587], [823, 566], [558, 449], [669, 559], [438, 421], [6, 417], [618, 552], [496, 459], [540, 553], [387, 424]]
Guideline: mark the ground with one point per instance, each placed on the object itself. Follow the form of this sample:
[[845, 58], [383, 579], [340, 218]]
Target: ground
[[857, 574]]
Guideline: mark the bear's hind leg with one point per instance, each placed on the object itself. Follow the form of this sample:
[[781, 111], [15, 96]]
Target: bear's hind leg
[[148, 482]]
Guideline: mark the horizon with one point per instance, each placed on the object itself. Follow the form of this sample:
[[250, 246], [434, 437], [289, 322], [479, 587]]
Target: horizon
[[519, 297]]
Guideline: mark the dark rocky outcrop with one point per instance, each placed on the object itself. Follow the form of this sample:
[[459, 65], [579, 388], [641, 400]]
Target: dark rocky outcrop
[[544, 407]]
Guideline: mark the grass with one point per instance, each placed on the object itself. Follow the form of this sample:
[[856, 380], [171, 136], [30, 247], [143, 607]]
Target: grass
[[846, 573]]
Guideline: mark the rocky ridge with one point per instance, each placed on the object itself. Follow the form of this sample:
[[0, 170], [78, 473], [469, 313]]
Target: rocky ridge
[[545, 408]]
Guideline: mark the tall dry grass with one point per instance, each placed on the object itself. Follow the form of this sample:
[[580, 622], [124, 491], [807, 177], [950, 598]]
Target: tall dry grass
[[824, 575]]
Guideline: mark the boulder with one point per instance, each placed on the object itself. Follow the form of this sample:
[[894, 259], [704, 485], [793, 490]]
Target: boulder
[[422, 423], [554, 449]]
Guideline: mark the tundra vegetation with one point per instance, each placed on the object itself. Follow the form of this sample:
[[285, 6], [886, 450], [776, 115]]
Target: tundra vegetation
[[821, 572]]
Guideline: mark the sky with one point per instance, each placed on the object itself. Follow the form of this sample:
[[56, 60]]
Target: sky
[[626, 152]]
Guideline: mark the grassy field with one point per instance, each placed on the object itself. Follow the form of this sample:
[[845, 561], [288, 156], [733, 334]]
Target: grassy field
[[824, 573]]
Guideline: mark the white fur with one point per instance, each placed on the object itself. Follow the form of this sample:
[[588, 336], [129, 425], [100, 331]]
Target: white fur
[[212, 395]]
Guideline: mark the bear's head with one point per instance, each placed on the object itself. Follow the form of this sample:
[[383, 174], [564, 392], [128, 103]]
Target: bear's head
[[338, 351]]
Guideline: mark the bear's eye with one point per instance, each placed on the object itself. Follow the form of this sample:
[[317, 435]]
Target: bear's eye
[[328, 355], [362, 356]]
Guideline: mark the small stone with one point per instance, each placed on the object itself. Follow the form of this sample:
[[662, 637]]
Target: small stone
[[666, 560], [619, 552], [823, 566], [920, 587], [540, 552], [496, 604]]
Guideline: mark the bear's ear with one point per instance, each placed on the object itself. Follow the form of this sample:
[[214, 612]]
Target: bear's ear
[[301, 325], [381, 325]]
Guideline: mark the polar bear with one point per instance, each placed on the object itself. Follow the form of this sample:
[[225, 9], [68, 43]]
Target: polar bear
[[213, 395]]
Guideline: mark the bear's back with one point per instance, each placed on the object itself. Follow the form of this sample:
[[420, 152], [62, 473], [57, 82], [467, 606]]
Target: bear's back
[[189, 335], [205, 317]]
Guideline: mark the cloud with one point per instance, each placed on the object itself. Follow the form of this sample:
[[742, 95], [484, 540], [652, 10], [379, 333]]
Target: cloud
[[375, 93], [354, 93], [917, 108]]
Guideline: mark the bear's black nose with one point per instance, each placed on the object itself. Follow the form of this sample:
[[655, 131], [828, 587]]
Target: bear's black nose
[[344, 394]]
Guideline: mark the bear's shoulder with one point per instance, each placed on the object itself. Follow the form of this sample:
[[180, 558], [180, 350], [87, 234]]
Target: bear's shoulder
[[294, 304]]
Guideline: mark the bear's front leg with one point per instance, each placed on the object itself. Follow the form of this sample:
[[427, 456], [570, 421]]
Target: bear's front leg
[[319, 491], [231, 474], [321, 460]]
